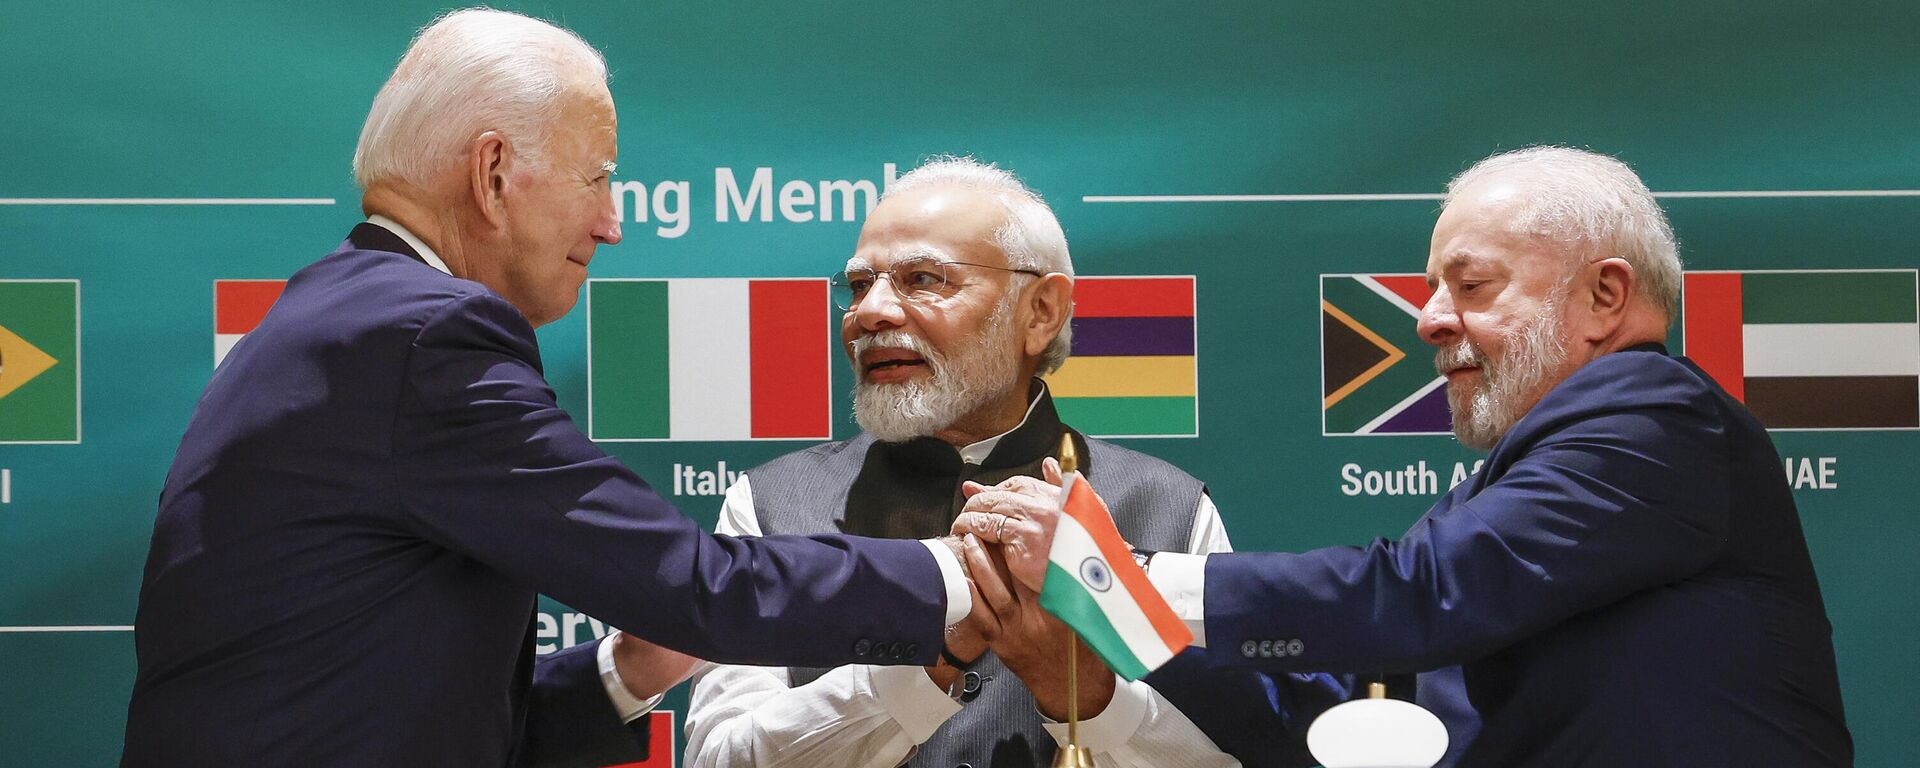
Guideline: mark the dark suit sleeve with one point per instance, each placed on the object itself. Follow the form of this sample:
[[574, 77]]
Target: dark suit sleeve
[[1259, 718], [488, 465], [570, 721], [1625, 492]]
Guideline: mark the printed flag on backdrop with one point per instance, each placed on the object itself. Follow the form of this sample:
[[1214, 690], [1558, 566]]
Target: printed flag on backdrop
[[1134, 372], [1094, 586], [1376, 374], [1810, 349], [660, 730], [39, 361], [238, 308], [708, 359]]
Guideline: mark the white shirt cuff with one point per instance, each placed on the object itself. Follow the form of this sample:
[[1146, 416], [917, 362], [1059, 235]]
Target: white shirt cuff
[[1182, 580], [959, 597], [1110, 729], [627, 705], [911, 699]]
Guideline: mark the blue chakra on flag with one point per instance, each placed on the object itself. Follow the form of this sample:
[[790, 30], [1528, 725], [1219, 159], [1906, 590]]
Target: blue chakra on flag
[[1096, 575]]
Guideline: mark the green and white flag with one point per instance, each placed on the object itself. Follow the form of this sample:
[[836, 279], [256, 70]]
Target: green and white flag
[[1095, 587]]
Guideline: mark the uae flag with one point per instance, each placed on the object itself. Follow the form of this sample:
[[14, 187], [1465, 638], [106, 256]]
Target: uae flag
[[238, 308], [1133, 372], [1094, 586], [708, 359], [1836, 349]]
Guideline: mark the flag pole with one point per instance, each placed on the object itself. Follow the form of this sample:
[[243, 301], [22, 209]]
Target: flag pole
[[1071, 755]]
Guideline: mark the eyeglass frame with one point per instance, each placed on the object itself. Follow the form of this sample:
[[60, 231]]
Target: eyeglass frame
[[841, 279]]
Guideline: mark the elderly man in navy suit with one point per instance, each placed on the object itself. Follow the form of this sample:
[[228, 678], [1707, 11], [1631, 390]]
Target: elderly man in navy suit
[[378, 480], [1623, 583]]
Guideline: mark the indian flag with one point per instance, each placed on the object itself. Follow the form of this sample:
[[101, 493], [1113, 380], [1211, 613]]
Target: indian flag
[[238, 308], [1134, 372], [708, 359], [1094, 586], [1810, 349]]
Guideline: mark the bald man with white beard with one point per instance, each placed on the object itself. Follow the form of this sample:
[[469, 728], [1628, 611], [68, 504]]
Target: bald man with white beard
[[1624, 582]]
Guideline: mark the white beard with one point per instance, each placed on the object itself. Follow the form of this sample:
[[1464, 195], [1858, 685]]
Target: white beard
[[979, 373], [1510, 385]]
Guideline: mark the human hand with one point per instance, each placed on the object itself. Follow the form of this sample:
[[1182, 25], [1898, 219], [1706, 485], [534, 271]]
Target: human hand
[[968, 640], [1019, 516], [648, 670], [1033, 644]]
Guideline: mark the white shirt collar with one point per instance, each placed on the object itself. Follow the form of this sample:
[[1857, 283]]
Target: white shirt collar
[[977, 453], [426, 254]]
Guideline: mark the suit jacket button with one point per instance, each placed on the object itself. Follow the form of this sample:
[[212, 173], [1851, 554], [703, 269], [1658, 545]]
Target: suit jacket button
[[913, 649], [861, 646], [1249, 649]]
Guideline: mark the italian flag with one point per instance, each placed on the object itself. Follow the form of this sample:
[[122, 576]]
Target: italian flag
[[1095, 587], [1810, 349], [708, 359]]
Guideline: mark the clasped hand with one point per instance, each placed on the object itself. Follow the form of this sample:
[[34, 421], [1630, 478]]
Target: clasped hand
[[1006, 531]]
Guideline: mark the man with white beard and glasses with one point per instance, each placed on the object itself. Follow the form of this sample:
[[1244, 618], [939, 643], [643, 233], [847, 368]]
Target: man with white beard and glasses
[[958, 294], [1624, 582]]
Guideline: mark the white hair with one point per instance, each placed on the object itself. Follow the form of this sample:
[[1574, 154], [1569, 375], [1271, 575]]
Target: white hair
[[1031, 238], [1595, 204], [469, 72]]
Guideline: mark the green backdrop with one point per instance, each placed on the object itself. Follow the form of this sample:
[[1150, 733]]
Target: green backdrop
[[199, 100]]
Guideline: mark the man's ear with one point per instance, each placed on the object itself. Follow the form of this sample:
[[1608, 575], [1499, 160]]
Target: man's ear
[[489, 161], [1051, 299], [1608, 297]]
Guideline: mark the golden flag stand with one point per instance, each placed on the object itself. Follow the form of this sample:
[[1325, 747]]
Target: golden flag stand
[[1072, 755]]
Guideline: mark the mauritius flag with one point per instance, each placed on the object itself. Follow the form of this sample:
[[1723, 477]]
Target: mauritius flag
[[708, 359], [1094, 586], [1376, 375], [238, 308], [1133, 372], [1810, 349]]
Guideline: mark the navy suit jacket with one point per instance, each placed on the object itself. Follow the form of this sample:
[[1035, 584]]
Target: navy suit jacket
[[1623, 583], [373, 488]]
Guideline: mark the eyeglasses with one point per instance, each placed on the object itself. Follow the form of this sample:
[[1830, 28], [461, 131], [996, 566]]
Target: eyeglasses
[[919, 281]]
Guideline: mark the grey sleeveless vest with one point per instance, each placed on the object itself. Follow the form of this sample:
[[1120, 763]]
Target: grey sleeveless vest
[[912, 490]]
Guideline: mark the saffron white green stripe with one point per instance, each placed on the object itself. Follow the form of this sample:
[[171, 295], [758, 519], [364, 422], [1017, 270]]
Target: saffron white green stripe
[[1094, 586]]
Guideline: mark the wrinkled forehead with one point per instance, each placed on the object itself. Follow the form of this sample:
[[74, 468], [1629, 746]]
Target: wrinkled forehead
[[940, 221], [918, 253]]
